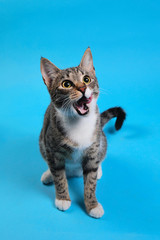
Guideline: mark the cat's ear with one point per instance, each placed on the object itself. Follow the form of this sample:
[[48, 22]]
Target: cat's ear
[[87, 61], [49, 71]]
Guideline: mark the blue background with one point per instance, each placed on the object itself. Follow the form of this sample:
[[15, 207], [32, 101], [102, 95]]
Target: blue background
[[124, 37]]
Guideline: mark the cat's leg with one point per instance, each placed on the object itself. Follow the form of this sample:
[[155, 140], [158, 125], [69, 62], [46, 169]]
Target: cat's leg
[[99, 173], [90, 170], [47, 177], [93, 208], [57, 169]]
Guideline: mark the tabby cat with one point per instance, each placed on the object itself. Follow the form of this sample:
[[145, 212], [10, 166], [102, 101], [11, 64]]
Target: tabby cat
[[72, 140]]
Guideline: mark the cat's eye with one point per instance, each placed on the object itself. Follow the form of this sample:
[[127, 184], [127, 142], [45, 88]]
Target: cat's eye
[[67, 84], [86, 80]]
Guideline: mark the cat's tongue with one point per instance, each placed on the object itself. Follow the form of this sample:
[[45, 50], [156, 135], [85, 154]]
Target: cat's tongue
[[81, 105], [82, 109]]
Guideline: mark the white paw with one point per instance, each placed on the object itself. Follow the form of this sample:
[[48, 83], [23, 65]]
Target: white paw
[[99, 174], [46, 177], [62, 204], [97, 212]]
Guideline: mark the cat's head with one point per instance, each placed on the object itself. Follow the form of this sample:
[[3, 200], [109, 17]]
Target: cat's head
[[74, 91]]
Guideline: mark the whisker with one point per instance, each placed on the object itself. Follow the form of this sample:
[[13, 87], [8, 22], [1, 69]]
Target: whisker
[[104, 90]]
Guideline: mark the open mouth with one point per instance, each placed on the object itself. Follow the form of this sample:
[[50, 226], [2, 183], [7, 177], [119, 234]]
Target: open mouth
[[81, 106]]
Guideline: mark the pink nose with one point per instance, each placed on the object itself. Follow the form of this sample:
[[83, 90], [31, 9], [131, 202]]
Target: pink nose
[[82, 89]]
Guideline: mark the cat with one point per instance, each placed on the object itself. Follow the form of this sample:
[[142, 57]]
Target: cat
[[72, 140]]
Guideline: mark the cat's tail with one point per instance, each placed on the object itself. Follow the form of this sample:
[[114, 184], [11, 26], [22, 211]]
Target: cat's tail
[[117, 112]]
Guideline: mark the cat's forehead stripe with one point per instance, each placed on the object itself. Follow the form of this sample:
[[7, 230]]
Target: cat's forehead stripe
[[71, 72]]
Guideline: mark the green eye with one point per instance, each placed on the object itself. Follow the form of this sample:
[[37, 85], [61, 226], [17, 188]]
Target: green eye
[[86, 80], [67, 84]]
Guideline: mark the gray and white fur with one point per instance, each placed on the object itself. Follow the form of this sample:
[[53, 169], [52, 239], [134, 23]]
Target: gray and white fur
[[72, 141]]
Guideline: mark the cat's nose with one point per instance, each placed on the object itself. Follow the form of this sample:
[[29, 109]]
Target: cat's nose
[[82, 89]]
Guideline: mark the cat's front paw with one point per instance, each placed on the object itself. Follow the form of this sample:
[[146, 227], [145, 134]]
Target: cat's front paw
[[97, 212], [62, 205]]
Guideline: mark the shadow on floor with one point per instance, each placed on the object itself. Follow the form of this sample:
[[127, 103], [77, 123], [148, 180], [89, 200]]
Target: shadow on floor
[[129, 131]]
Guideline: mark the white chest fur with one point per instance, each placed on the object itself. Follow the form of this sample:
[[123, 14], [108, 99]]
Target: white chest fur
[[82, 130]]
